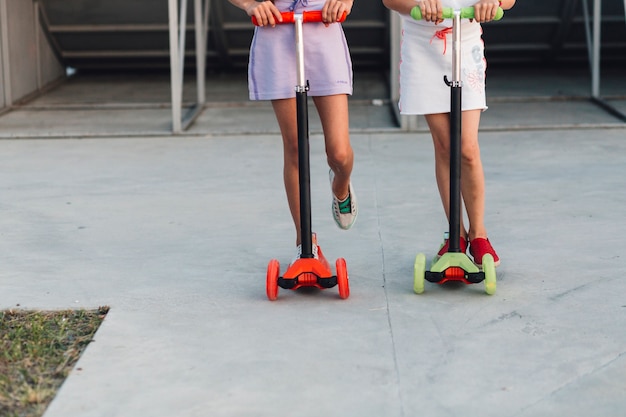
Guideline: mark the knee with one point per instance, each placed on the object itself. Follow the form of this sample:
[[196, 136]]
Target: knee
[[442, 149], [470, 154], [339, 156], [290, 150]]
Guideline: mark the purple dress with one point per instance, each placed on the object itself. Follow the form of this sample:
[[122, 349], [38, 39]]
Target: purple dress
[[272, 66]]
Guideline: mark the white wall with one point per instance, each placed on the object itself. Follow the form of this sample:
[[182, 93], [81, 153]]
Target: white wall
[[27, 61]]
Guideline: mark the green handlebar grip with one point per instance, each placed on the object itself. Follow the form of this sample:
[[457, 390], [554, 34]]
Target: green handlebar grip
[[448, 13]]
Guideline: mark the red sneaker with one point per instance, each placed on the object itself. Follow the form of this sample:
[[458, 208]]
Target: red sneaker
[[445, 245], [481, 246]]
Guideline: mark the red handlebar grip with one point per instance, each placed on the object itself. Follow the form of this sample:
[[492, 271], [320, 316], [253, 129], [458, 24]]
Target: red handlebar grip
[[316, 16], [307, 17]]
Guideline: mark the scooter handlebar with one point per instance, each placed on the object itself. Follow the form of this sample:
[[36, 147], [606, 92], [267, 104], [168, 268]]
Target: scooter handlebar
[[307, 17], [448, 13]]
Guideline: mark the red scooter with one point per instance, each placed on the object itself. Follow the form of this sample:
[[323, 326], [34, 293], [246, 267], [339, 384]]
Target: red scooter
[[307, 271]]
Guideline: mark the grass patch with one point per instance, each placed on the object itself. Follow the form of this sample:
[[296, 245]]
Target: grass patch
[[38, 349]]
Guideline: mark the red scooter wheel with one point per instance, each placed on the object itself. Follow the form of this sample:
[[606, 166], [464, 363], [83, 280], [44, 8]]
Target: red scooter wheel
[[342, 278], [271, 285]]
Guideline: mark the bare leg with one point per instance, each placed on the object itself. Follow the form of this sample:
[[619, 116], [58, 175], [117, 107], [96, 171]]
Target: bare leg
[[333, 111], [285, 111], [472, 176]]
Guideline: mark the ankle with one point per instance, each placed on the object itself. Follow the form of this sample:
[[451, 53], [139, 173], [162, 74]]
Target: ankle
[[471, 235]]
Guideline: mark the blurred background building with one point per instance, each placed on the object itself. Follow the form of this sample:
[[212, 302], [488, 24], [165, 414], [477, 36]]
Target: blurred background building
[[43, 42]]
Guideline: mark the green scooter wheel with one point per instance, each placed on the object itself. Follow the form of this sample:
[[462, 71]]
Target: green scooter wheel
[[418, 273], [489, 268]]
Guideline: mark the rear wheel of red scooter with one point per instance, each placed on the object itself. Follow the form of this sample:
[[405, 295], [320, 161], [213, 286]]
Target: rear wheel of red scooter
[[271, 285], [342, 278]]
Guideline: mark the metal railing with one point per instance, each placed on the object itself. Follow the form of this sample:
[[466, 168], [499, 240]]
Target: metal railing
[[177, 31], [593, 25]]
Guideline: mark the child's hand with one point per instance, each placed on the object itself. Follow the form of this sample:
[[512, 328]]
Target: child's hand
[[265, 13], [432, 11], [334, 9], [485, 10]]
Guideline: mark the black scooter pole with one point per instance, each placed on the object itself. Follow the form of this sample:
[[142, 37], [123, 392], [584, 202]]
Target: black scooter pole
[[304, 172], [455, 85], [304, 175]]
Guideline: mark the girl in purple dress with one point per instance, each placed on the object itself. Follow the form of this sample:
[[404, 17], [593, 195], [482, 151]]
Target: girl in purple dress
[[328, 68]]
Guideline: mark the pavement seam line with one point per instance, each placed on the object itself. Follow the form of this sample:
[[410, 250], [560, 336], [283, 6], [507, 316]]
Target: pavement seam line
[[383, 269]]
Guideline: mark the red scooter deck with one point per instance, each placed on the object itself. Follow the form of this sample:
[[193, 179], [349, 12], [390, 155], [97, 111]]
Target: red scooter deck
[[308, 272]]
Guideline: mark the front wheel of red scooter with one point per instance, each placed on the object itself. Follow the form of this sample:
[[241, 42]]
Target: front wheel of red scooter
[[271, 285], [342, 278]]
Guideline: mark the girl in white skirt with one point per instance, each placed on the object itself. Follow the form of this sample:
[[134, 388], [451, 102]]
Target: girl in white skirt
[[328, 68], [426, 56]]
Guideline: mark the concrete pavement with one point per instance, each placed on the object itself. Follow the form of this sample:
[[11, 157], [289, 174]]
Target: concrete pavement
[[175, 233]]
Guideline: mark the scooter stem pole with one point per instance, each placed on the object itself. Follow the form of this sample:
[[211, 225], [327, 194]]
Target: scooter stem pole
[[455, 138], [303, 145], [298, 24], [456, 46]]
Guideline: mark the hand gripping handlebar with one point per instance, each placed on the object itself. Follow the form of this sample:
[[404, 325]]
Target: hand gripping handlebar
[[448, 13], [307, 16]]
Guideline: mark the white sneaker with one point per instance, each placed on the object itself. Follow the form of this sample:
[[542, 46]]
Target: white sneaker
[[344, 212], [299, 253]]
